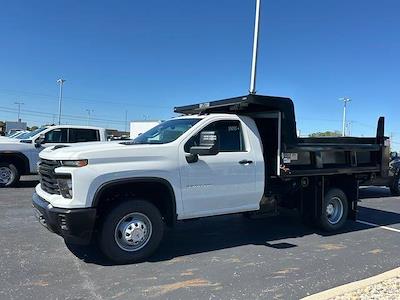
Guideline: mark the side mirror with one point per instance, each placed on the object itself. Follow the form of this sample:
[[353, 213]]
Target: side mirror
[[40, 140], [209, 144], [393, 155]]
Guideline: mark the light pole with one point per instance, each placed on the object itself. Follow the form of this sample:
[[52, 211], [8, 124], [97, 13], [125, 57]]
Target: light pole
[[345, 101], [255, 49], [61, 82], [19, 109], [89, 111]]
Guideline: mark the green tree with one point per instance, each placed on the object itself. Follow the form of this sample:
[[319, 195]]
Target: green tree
[[326, 133]]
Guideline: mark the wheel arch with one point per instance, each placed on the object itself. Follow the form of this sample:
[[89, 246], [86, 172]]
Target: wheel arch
[[146, 187], [19, 159]]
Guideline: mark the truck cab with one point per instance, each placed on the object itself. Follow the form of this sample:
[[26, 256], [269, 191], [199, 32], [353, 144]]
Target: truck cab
[[19, 155], [238, 155]]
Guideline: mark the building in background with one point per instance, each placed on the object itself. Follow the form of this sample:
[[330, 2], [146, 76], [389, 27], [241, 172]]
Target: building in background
[[11, 127], [139, 127]]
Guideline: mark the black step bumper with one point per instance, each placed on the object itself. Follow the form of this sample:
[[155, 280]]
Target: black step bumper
[[74, 225]]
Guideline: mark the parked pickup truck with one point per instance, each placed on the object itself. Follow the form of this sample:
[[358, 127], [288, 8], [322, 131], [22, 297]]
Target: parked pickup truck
[[239, 155], [19, 156], [392, 181]]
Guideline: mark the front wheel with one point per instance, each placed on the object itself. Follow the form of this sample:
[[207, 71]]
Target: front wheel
[[334, 210], [9, 175], [131, 232]]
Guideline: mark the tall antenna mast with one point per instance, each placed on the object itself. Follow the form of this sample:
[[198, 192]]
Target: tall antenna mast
[[255, 49]]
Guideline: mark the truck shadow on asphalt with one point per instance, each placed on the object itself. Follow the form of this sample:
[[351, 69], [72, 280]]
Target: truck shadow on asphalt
[[216, 233], [28, 181], [28, 184], [374, 192]]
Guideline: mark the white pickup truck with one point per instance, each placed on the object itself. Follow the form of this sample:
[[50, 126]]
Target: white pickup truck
[[221, 157], [19, 156]]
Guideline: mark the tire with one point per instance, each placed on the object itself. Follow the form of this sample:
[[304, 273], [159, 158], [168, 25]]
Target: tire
[[395, 188], [128, 217], [334, 210], [9, 175]]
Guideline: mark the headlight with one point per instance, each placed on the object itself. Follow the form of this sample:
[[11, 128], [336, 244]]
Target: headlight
[[74, 163], [65, 186]]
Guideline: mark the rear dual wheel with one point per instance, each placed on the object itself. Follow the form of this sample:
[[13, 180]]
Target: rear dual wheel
[[334, 210], [131, 232]]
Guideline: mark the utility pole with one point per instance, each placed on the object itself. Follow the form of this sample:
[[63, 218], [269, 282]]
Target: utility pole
[[345, 101], [349, 126], [255, 49], [89, 111], [61, 82], [19, 109], [126, 120]]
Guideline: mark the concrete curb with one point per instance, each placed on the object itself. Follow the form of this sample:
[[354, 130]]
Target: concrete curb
[[352, 286]]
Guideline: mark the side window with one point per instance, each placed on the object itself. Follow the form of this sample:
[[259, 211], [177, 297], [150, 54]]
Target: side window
[[56, 136], [83, 135], [229, 134]]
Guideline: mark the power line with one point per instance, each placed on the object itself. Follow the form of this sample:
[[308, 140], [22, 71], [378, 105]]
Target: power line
[[48, 114], [78, 99]]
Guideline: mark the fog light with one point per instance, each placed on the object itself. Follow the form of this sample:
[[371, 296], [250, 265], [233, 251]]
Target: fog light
[[63, 222], [65, 186]]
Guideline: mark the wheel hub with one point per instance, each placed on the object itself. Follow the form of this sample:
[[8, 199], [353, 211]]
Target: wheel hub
[[5, 175], [133, 232], [330, 209]]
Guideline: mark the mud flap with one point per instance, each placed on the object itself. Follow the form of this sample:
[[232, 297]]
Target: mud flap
[[352, 192], [311, 199]]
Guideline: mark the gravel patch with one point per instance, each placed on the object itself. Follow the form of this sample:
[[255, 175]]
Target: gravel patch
[[385, 290]]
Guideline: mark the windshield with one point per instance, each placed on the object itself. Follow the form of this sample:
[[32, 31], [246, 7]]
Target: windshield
[[166, 132], [28, 135], [14, 134], [17, 135]]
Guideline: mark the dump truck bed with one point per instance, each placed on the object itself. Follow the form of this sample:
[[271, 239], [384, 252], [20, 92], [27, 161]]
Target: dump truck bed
[[295, 156]]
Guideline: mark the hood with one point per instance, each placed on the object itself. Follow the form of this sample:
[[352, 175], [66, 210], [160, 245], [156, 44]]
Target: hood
[[5, 139], [102, 152], [14, 144], [395, 163]]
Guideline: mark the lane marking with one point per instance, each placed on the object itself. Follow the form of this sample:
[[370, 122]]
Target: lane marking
[[379, 226]]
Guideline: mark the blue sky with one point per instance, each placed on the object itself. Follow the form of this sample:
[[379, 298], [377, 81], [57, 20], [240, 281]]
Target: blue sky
[[148, 56]]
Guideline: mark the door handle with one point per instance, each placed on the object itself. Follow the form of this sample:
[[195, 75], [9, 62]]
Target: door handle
[[245, 162]]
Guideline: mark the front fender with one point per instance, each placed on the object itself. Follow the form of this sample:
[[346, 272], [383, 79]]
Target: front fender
[[105, 180]]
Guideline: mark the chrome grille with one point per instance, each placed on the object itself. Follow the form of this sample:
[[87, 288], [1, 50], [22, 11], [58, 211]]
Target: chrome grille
[[47, 175]]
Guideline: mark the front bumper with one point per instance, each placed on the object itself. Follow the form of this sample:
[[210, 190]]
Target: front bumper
[[74, 225]]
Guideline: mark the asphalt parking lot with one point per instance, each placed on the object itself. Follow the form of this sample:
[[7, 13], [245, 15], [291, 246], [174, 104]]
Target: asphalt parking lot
[[226, 257]]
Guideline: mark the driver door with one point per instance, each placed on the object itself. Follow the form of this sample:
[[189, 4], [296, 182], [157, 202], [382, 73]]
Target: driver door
[[221, 183]]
